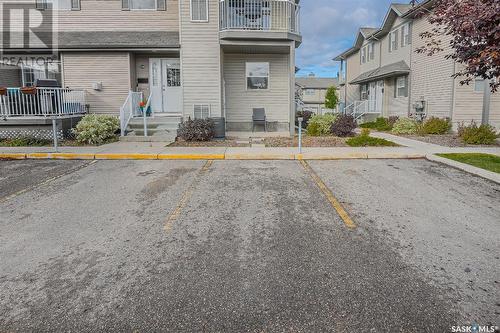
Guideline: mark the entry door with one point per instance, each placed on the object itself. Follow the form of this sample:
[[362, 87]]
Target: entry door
[[171, 84], [380, 96], [372, 96]]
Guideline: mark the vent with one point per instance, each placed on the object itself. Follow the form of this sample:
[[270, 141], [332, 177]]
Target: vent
[[201, 111]]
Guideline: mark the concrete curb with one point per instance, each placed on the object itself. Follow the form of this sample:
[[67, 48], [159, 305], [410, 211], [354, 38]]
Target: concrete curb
[[226, 156], [494, 177]]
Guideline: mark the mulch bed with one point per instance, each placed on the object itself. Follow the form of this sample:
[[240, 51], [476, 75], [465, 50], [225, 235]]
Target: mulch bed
[[307, 141], [445, 140], [228, 142]]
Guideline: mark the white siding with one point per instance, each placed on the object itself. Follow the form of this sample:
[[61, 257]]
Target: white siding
[[200, 60], [81, 70], [240, 101]]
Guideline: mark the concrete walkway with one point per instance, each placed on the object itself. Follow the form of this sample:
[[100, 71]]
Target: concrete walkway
[[157, 150]]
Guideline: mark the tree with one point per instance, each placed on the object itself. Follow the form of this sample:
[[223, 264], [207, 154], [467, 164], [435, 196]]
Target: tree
[[474, 28], [331, 98]]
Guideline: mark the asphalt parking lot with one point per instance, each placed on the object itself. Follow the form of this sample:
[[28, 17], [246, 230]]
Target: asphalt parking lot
[[246, 246]]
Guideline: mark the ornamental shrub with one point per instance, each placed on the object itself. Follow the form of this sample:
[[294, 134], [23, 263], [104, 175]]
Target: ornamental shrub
[[405, 126], [380, 124], [435, 125], [196, 130], [96, 129], [320, 124], [343, 125], [478, 135]]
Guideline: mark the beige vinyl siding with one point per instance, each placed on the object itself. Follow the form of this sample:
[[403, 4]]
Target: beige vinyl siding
[[81, 70], [353, 71], [10, 76], [394, 106], [240, 101], [370, 64], [495, 110], [402, 53], [431, 76], [200, 60], [317, 98]]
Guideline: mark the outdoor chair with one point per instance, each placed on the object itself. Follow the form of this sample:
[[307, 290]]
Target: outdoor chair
[[259, 118]]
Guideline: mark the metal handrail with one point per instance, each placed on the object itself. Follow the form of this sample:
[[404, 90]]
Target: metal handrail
[[129, 110], [261, 15]]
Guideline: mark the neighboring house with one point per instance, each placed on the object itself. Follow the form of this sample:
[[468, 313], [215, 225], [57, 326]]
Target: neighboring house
[[383, 75], [194, 58], [314, 92]]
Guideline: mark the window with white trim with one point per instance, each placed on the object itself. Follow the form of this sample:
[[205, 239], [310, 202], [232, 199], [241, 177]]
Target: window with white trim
[[363, 55], [364, 92], [479, 85], [405, 34], [401, 87], [199, 10], [144, 4], [58, 4], [257, 75], [393, 40], [371, 51]]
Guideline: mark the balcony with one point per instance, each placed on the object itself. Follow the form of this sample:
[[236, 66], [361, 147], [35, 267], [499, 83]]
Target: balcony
[[259, 20]]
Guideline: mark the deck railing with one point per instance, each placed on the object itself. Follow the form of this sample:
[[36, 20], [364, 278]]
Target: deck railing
[[44, 102], [263, 15], [130, 109]]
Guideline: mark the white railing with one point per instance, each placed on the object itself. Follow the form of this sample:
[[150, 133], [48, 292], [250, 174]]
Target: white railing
[[264, 15], [358, 109], [44, 102], [130, 109]]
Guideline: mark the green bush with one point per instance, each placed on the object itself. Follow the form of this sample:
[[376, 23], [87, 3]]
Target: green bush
[[96, 129], [435, 125], [343, 125], [25, 142], [478, 135], [405, 126], [380, 124], [196, 130], [320, 125], [365, 140]]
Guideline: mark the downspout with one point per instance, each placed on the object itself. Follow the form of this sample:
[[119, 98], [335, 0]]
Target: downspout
[[453, 91], [485, 119]]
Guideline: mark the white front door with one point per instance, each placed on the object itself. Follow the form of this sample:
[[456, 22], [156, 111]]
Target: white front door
[[165, 85], [380, 96], [372, 96]]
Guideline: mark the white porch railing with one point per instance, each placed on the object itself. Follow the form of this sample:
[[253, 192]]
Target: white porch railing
[[264, 15], [130, 109], [358, 109], [45, 102]]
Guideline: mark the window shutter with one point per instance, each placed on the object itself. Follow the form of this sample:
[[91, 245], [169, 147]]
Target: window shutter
[[161, 4], [75, 5], [41, 4], [395, 87], [410, 28], [125, 4], [403, 28]]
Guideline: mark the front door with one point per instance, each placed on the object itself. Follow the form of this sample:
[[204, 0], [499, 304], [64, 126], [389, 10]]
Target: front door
[[380, 96], [375, 96], [165, 86]]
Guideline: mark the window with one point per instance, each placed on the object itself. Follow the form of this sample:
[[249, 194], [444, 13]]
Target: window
[[309, 92], [401, 87], [479, 85], [257, 75], [364, 92], [371, 51], [199, 10], [46, 71], [144, 4], [393, 40], [405, 35], [58, 4], [363, 55]]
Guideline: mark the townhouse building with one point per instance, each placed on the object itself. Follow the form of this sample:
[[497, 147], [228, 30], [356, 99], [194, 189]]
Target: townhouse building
[[188, 58], [383, 75], [314, 92]]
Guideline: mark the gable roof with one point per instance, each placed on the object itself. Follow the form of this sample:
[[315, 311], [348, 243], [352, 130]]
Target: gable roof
[[394, 69], [312, 82]]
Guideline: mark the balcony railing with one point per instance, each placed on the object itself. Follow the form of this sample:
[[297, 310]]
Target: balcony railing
[[44, 102], [260, 15]]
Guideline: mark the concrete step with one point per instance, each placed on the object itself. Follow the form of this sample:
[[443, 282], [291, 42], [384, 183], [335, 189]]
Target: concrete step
[[159, 138], [154, 131], [157, 120]]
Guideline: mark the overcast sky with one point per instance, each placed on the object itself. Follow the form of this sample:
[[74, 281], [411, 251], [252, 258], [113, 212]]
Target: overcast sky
[[329, 27]]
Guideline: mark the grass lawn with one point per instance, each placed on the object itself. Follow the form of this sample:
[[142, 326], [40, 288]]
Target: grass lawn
[[368, 141], [483, 161]]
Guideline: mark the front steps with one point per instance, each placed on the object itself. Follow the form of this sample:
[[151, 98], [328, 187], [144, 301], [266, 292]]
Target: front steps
[[160, 129]]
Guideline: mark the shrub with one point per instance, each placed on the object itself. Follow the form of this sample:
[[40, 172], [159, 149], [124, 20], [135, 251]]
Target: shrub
[[405, 126], [196, 130], [343, 125], [96, 129], [380, 124], [25, 141], [365, 140], [392, 120], [320, 125], [478, 135], [435, 125], [304, 114]]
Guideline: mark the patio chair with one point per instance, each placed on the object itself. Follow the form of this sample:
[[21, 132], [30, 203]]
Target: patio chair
[[259, 118]]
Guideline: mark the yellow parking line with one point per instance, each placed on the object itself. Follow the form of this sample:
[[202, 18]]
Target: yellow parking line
[[169, 222], [13, 156], [329, 196]]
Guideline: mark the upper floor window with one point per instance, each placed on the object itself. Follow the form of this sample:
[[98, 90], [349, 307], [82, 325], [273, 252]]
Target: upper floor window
[[58, 4], [144, 4], [363, 55], [257, 74], [199, 10], [401, 87], [364, 92], [309, 92], [405, 34], [393, 40], [371, 51]]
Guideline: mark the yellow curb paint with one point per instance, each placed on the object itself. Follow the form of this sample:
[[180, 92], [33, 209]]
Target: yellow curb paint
[[13, 156], [70, 156], [329, 196], [38, 155], [169, 222], [299, 157], [126, 156], [191, 156]]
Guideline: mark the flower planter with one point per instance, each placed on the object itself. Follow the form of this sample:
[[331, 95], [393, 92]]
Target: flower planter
[[28, 90], [3, 91]]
